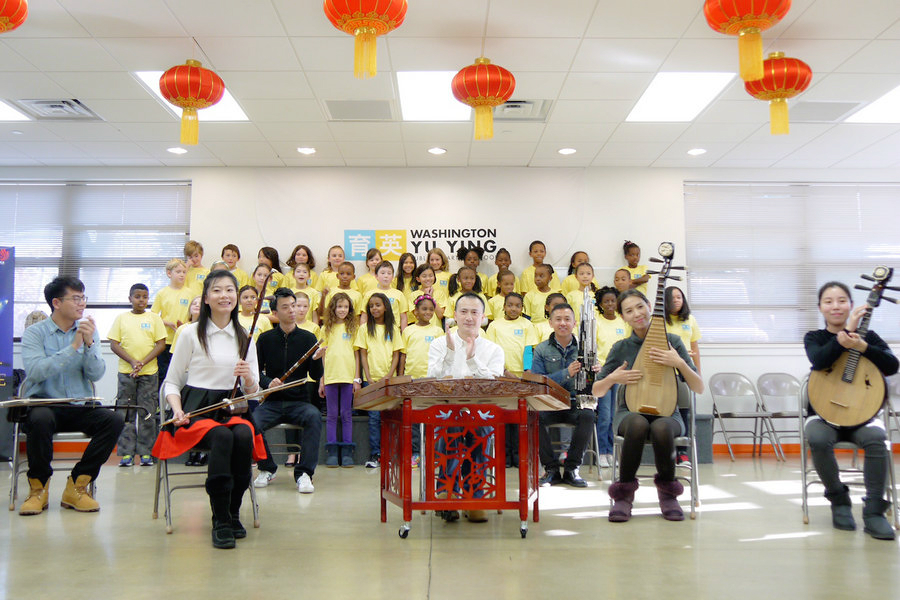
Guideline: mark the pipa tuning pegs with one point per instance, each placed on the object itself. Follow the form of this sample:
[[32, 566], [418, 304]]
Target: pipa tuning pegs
[[867, 277], [656, 260], [677, 268], [891, 300], [862, 287], [893, 288], [674, 277], [652, 273]]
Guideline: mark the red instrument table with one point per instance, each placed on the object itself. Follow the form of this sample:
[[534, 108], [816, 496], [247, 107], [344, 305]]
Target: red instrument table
[[464, 430]]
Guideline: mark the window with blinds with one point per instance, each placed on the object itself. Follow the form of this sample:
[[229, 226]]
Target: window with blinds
[[758, 252], [109, 235]]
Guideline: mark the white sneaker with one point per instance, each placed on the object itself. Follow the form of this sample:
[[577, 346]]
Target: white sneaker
[[263, 478], [304, 484]]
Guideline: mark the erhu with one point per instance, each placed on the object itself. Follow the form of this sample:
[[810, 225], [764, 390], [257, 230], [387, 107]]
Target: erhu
[[587, 354]]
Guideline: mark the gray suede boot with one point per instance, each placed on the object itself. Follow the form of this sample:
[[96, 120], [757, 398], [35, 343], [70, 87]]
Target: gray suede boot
[[841, 513], [875, 523]]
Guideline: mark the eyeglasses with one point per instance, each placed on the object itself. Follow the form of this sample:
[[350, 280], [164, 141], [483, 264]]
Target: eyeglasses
[[76, 299]]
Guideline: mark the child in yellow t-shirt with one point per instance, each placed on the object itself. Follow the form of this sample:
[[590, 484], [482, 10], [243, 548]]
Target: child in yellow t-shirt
[[570, 283], [301, 255], [682, 323], [328, 278], [379, 343], [269, 256], [193, 315], [507, 285], [438, 262], [384, 274], [248, 297], [610, 329], [304, 312], [639, 277], [406, 266], [513, 333], [503, 260], [471, 257], [465, 281], [424, 285], [584, 277], [537, 298], [346, 274], [622, 280], [196, 273], [341, 377], [543, 328], [172, 304], [300, 277], [231, 254], [137, 338], [538, 252], [369, 280]]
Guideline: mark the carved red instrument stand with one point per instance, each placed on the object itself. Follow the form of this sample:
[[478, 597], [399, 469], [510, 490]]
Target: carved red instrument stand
[[464, 442]]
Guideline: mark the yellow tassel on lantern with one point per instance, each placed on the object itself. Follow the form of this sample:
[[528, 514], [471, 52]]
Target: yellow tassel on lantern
[[750, 51], [484, 122], [190, 127], [779, 123], [364, 49]]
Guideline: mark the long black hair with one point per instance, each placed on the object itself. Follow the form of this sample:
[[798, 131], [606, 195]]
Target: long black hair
[[388, 317], [598, 297], [401, 275], [240, 334], [685, 311]]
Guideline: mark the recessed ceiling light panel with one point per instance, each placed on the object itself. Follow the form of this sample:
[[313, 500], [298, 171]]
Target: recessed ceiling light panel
[[567, 151], [176, 150], [306, 151], [437, 151], [678, 97], [696, 151], [884, 110], [426, 96], [226, 109]]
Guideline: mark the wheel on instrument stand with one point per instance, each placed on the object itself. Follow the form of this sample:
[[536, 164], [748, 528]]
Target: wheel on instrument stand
[[523, 529], [404, 530]]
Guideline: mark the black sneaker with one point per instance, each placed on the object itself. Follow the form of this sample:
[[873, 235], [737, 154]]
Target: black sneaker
[[574, 479], [374, 461], [551, 477]]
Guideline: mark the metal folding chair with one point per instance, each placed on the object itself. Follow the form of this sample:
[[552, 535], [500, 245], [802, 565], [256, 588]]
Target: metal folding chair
[[731, 389], [163, 473], [852, 476], [779, 393], [593, 448], [684, 472]]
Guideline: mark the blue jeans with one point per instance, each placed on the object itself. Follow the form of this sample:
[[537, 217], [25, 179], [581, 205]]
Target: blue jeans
[[605, 409], [294, 412]]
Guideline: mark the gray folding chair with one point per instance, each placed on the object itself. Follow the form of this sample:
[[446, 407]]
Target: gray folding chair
[[163, 474], [779, 393], [893, 403], [852, 476], [685, 472], [592, 450], [735, 397]]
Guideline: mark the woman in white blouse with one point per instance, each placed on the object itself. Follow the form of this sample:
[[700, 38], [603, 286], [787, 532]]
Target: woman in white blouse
[[204, 366]]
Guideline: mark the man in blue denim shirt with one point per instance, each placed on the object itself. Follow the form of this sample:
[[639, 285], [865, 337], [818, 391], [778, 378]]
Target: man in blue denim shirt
[[62, 358], [556, 358]]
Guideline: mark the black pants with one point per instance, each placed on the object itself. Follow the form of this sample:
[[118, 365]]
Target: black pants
[[101, 424], [292, 412], [230, 451], [583, 420], [661, 431]]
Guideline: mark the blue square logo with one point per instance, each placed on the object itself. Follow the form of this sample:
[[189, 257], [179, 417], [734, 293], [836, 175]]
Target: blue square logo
[[357, 242]]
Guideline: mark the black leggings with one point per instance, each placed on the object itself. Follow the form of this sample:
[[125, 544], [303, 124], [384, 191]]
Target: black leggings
[[661, 431], [230, 451]]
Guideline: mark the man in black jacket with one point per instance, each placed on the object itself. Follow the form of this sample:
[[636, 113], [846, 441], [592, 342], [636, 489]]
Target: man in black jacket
[[277, 350]]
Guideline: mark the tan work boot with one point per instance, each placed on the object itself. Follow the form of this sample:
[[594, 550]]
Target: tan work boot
[[477, 516], [77, 496], [38, 498]]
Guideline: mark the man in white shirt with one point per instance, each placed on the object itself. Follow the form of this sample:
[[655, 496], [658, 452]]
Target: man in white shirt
[[465, 354]]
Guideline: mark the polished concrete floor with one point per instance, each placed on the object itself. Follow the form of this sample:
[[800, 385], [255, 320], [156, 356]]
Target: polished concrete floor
[[748, 541]]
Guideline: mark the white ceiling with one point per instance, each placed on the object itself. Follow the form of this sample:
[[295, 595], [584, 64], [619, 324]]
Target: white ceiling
[[592, 59]]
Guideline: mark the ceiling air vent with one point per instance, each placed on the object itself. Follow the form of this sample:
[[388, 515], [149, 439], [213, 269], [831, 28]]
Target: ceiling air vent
[[68, 109], [821, 112], [532, 111], [359, 110]]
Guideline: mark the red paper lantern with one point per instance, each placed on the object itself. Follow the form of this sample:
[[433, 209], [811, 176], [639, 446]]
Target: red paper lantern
[[483, 86], [365, 20], [782, 78], [191, 87], [12, 14], [746, 19]]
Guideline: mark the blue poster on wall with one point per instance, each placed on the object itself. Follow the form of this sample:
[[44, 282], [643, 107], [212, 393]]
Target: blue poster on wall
[[7, 282]]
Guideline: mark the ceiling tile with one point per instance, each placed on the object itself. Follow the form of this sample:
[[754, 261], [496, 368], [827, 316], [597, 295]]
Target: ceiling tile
[[604, 161], [229, 152], [640, 151], [605, 86], [106, 150], [677, 152], [365, 132], [30, 131], [297, 133], [521, 18], [874, 58], [131, 162], [159, 151], [567, 134], [230, 131], [638, 20], [304, 161], [343, 86], [373, 150], [45, 150], [431, 54], [278, 111], [106, 85], [511, 131], [880, 155], [249, 53], [590, 111], [717, 132], [648, 132], [376, 162], [756, 151], [48, 20], [266, 84], [64, 54], [849, 87], [822, 56], [191, 162], [92, 132], [114, 18], [801, 133], [214, 17], [324, 150], [10, 60], [21, 86], [547, 154], [461, 18], [152, 132], [735, 111], [622, 55], [9, 152], [531, 54], [132, 111], [417, 155], [839, 142], [436, 133], [732, 163], [336, 54], [835, 19], [71, 162], [718, 55], [153, 54], [535, 85]]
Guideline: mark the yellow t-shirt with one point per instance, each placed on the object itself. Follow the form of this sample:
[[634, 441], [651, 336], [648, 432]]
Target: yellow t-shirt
[[526, 281], [513, 337], [534, 305], [314, 295], [329, 279], [687, 330], [366, 282], [340, 358], [575, 299], [310, 327], [570, 284], [637, 272], [355, 299], [290, 282], [173, 305], [416, 342], [177, 333], [379, 351], [442, 282], [495, 307], [608, 333], [490, 289], [407, 284], [241, 276], [195, 278], [262, 324], [451, 304], [399, 304], [138, 334], [411, 303], [275, 281], [542, 330]]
